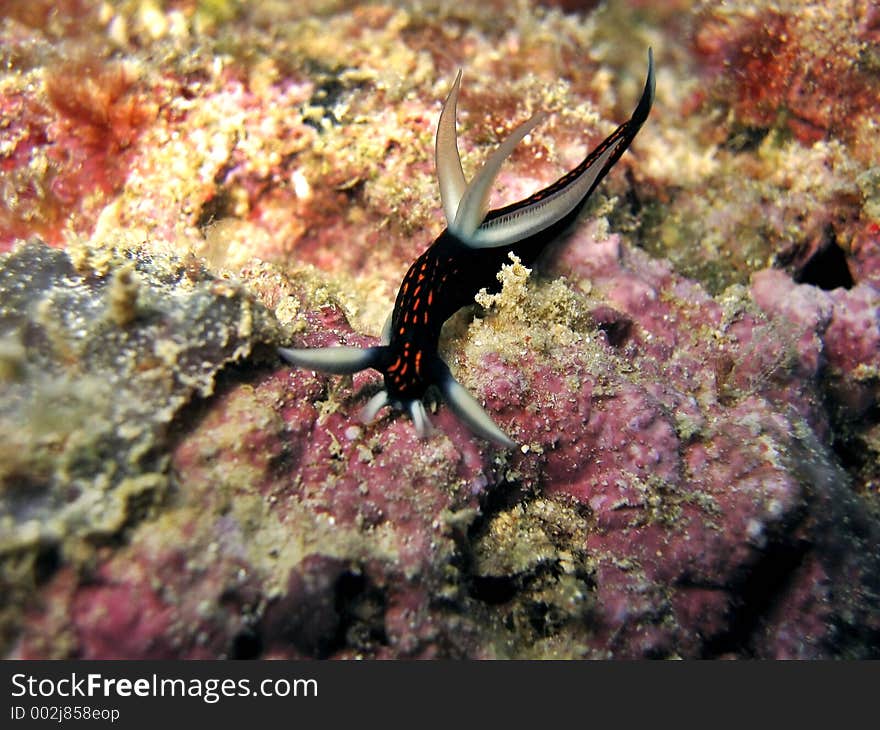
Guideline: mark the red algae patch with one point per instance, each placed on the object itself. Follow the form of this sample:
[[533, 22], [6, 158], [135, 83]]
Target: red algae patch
[[805, 63]]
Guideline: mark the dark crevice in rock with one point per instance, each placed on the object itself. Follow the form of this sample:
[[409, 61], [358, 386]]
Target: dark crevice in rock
[[247, 644], [48, 561], [850, 449], [633, 201], [745, 139], [217, 207], [494, 590], [361, 610], [616, 326], [754, 596], [503, 497], [855, 639], [827, 268], [329, 606]]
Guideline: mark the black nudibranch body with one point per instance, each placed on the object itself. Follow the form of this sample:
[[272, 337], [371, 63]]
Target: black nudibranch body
[[465, 258]]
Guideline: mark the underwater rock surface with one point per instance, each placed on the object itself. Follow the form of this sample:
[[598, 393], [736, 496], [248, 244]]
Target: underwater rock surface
[[693, 374], [99, 355]]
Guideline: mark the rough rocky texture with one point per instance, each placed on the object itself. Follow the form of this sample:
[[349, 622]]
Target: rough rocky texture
[[98, 358], [692, 376]]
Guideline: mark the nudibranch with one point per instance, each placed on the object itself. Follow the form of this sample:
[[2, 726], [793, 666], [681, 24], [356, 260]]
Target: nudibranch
[[465, 258]]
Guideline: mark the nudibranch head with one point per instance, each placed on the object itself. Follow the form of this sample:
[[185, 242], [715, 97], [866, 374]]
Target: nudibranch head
[[461, 261]]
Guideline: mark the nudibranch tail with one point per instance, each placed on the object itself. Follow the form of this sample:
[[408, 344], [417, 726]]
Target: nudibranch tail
[[646, 101], [333, 360]]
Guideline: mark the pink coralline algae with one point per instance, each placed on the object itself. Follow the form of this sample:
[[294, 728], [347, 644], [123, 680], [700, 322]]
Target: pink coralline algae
[[692, 375]]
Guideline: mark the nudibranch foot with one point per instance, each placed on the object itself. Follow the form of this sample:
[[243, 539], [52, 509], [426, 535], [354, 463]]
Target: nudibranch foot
[[420, 419], [464, 259], [374, 405]]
